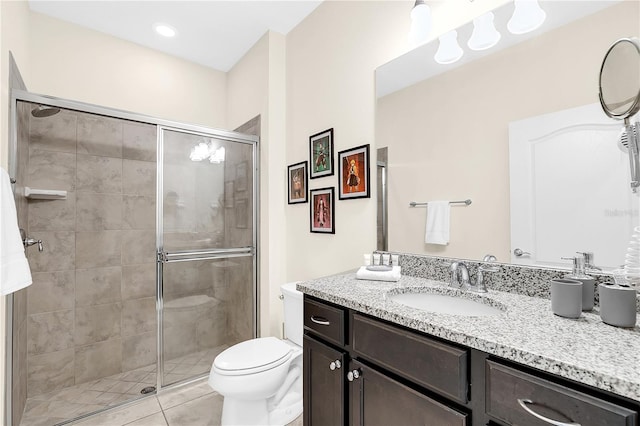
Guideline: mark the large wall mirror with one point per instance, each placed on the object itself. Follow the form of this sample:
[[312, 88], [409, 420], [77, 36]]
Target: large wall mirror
[[518, 129]]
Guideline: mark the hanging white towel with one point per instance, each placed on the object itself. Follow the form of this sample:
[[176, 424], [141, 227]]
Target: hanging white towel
[[437, 229], [14, 268]]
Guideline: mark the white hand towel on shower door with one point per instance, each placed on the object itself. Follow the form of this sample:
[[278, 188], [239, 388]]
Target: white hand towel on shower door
[[14, 268], [437, 229]]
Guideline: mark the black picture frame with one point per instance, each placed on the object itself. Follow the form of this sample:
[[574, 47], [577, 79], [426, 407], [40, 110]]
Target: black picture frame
[[321, 154], [354, 173], [323, 210], [297, 183]]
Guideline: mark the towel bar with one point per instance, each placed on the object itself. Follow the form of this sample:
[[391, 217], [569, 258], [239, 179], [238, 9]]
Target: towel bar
[[465, 202]]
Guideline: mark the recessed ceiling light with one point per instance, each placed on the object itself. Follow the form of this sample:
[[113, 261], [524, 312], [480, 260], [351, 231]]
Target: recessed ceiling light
[[165, 30]]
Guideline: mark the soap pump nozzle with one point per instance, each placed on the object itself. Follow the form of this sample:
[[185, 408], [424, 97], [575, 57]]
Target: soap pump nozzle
[[588, 260], [578, 265]]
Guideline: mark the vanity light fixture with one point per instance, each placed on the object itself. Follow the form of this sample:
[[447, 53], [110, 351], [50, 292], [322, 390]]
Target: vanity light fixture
[[200, 152], [449, 51], [206, 150], [484, 34], [217, 156], [420, 23], [165, 30], [527, 16]]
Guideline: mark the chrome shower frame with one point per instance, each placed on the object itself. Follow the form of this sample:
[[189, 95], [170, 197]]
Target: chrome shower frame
[[161, 124]]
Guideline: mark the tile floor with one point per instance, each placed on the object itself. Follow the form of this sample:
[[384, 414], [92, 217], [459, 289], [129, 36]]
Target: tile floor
[[192, 405], [75, 401]]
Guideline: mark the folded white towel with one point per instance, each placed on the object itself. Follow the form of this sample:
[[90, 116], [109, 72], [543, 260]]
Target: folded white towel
[[392, 275], [14, 268], [437, 229]]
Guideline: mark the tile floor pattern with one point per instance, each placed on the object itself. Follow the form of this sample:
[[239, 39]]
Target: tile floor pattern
[[74, 401], [191, 405]]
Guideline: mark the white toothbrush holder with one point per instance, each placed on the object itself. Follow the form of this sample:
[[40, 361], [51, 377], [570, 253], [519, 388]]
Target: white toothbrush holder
[[617, 304]]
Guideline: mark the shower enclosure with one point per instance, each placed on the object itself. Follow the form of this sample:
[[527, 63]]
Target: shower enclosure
[[148, 267]]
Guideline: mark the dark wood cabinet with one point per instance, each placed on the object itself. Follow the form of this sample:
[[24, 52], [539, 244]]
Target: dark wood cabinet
[[518, 398], [440, 367], [324, 384], [363, 371], [378, 400]]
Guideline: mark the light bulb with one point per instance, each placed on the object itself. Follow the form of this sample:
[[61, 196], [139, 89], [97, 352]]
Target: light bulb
[[420, 23], [449, 51], [484, 34], [527, 17]]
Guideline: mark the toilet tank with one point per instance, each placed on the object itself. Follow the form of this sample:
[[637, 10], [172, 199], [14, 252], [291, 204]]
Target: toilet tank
[[293, 320]]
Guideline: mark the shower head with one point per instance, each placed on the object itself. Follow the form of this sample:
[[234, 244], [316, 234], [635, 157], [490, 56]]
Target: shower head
[[44, 111]]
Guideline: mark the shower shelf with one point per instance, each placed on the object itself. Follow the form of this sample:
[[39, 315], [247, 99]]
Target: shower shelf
[[44, 194]]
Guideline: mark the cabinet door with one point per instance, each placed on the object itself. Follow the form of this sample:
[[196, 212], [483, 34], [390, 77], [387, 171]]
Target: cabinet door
[[324, 384], [376, 399]]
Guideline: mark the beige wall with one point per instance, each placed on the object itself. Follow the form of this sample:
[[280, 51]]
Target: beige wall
[[255, 86], [331, 58], [70, 61], [448, 136]]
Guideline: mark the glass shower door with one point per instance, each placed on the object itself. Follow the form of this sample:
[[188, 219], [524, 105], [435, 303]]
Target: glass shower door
[[206, 249]]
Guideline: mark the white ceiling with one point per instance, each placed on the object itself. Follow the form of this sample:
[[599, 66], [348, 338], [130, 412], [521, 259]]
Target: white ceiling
[[213, 33]]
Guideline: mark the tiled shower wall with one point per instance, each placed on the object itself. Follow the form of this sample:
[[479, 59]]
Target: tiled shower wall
[[91, 308], [19, 377]]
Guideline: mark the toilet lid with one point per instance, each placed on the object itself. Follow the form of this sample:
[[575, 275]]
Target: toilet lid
[[252, 356]]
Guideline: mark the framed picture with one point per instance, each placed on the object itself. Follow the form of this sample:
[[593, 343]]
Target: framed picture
[[323, 211], [297, 183], [321, 154], [241, 176], [353, 169], [242, 213]]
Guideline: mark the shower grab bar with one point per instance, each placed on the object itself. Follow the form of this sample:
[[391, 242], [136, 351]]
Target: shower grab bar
[[182, 256], [465, 202]]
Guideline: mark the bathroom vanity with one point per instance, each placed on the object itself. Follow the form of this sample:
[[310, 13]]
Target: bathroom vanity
[[371, 361]]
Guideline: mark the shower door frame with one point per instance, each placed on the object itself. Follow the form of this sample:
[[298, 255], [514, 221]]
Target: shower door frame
[[163, 257], [161, 124]]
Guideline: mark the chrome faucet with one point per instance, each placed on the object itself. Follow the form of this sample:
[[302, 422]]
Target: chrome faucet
[[460, 276]]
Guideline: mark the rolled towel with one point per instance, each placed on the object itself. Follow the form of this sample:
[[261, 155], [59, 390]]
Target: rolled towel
[[392, 275], [14, 268]]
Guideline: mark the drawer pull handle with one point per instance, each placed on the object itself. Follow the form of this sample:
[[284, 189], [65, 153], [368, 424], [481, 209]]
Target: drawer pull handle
[[335, 364], [523, 403], [320, 320]]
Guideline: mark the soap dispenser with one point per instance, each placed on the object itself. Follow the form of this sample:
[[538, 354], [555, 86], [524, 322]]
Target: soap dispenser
[[588, 282]]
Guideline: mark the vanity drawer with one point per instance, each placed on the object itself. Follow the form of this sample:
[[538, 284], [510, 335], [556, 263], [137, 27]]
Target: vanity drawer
[[324, 320], [424, 361], [519, 398]]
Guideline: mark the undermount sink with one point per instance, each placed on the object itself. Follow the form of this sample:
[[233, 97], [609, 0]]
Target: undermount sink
[[443, 304]]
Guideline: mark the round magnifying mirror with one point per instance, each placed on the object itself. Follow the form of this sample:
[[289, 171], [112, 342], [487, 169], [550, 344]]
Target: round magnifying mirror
[[620, 79]]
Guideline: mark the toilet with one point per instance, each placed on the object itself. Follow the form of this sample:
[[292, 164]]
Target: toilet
[[261, 379]]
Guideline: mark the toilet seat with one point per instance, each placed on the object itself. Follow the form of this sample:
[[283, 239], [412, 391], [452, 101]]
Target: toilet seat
[[252, 356]]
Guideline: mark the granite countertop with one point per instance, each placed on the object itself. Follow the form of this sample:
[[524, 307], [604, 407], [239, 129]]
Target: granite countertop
[[584, 350]]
